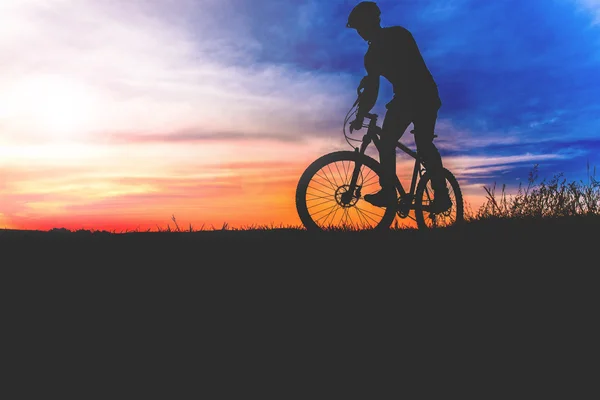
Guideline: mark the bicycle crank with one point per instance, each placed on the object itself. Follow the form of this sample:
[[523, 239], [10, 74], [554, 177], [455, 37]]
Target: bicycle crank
[[404, 205]]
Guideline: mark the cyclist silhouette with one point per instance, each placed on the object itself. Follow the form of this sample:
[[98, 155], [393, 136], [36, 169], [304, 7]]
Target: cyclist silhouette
[[394, 54]]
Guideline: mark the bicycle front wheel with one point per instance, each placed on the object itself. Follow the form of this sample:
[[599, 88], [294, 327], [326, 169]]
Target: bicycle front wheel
[[325, 200], [426, 218]]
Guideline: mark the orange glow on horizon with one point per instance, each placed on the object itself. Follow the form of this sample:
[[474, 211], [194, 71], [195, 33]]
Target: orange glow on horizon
[[128, 197], [237, 205], [243, 197]]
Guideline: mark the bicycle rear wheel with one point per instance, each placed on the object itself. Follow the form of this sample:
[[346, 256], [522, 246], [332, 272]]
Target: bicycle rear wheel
[[426, 219], [324, 201]]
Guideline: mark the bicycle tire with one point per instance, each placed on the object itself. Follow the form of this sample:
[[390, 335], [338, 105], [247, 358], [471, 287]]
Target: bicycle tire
[[379, 220], [428, 220]]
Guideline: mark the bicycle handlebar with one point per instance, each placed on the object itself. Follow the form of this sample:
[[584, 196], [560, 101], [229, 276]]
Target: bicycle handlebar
[[371, 116]]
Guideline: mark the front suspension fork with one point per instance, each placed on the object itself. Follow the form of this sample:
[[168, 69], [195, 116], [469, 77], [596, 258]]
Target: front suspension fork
[[353, 189]]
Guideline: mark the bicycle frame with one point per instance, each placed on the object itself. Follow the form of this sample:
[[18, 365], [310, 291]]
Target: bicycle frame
[[372, 136]]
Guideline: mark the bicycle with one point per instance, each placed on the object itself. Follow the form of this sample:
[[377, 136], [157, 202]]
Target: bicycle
[[320, 195]]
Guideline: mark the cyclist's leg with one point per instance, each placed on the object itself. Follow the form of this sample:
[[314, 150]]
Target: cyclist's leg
[[395, 122], [424, 123], [397, 119]]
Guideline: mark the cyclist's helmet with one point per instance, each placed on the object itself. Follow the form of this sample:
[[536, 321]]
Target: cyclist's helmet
[[365, 11]]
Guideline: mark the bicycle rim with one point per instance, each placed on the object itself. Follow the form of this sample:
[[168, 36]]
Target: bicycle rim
[[424, 197]]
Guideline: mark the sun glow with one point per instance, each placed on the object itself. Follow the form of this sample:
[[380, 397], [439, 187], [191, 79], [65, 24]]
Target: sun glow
[[54, 106]]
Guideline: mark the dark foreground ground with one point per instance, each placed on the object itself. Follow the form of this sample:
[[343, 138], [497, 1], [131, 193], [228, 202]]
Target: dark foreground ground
[[484, 310], [488, 242]]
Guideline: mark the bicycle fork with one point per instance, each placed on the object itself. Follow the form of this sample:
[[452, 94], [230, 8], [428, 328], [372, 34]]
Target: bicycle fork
[[354, 190]]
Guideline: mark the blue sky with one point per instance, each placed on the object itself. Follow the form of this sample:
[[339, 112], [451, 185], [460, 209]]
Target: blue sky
[[518, 79]]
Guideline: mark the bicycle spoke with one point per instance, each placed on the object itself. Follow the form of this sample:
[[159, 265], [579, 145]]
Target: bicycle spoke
[[334, 213], [370, 212], [329, 195], [365, 215], [369, 179], [326, 183], [346, 169], [348, 220], [331, 190], [320, 204], [334, 180], [329, 213], [338, 170], [331, 184]]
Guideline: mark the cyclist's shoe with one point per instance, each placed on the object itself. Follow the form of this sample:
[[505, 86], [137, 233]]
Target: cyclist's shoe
[[384, 198], [441, 202]]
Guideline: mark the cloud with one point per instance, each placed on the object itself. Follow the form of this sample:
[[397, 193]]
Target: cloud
[[76, 69], [592, 6], [246, 69]]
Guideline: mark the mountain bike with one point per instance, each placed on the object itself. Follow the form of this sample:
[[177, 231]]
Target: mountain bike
[[330, 192]]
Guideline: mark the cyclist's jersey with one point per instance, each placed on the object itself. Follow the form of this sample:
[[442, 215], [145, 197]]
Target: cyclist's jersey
[[394, 54]]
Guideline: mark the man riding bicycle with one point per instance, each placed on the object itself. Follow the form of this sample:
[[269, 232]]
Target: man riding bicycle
[[393, 54]]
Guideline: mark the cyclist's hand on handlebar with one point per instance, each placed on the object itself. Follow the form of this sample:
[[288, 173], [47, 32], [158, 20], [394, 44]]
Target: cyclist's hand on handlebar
[[357, 124]]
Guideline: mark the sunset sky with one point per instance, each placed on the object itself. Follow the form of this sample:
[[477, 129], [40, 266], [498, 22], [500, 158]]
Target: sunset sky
[[119, 114]]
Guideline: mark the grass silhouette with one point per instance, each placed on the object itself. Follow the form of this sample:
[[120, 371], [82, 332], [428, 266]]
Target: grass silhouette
[[552, 199]]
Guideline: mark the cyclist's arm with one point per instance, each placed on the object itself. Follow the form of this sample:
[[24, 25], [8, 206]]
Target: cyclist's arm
[[371, 89]]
